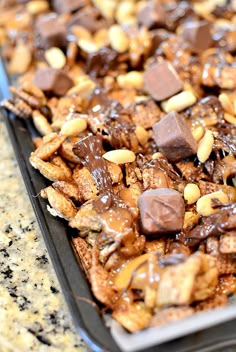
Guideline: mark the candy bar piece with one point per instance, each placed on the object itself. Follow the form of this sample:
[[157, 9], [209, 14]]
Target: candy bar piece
[[174, 138], [152, 15], [161, 211], [161, 80], [198, 35], [89, 18], [54, 81], [65, 6], [51, 31]]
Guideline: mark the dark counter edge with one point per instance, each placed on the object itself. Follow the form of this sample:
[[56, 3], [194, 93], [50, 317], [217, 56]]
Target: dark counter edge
[[75, 287]]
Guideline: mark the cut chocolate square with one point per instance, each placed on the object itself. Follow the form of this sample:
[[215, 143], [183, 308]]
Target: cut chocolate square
[[174, 138], [51, 31], [198, 35], [65, 6], [161, 80], [161, 211], [152, 15], [53, 81]]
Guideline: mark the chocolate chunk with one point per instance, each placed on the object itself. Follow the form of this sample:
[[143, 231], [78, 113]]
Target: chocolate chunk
[[89, 150], [174, 138], [101, 61], [65, 6], [161, 211], [198, 35], [51, 31], [53, 81], [152, 15], [89, 18], [161, 80]]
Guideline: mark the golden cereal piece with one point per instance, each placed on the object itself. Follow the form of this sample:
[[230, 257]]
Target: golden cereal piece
[[83, 251], [226, 264], [115, 172], [70, 189], [50, 145], [218, 300], [134, 316], [86, 184], [177, 282], [41, 123], [58, 161], [228, 243], [61, 205], [171, 314], [47, 169]]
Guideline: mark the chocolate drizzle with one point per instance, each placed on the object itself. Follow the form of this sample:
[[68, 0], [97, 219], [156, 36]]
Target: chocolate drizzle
[[89, 150]]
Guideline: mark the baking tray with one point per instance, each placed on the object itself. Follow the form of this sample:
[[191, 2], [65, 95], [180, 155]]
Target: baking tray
[[87, 320]]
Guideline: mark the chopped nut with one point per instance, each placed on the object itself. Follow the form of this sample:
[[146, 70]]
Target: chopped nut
[[72, 128], [230, 118], [198, 133], [191, 193], [204, 204], [120, 156], [142, 135], [205, 146], [118, 39], [36, 7], [226, 103], [55, 57], [132, 79], [179, 101], [41, 123]]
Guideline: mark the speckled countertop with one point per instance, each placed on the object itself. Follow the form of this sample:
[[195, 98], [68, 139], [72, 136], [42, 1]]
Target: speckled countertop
[[33, 313]]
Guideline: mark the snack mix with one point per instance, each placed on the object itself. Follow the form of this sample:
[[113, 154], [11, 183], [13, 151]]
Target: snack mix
[[135, 105]]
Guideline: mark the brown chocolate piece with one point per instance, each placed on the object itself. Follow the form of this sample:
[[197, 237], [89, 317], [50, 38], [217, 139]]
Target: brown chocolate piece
[[53, 81], [174, 138], [89, 150], [152, 15], [161, 211], [198, 35], [161, 80], [65, 6], [51, 31], [89, 18]]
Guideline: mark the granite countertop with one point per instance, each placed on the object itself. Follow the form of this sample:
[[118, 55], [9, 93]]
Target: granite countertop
[[34, 315]]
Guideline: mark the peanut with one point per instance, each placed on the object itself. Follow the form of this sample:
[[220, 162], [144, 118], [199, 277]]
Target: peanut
[[198, 133], [132, 79], [205, 146], [73, 128], [36, 7], [142, 135], [41, 123], [55, 57], [179, 101], [226, 103], [204, 204], [120, 156], [118, 39], [191, 193], [230, 118], [88, 46]]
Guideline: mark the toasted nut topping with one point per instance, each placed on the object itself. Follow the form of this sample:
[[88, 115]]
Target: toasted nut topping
[[204, 204], [142, 135], [198, 133], [120, 156], [88, 46], [226, 103], [73, 128], [205, 146], [179, 101], [158, 155], [191, 193], [230, 118], [55, 57], [118, 39], [132, 79], [84, 88], [41, 123], [36, 7], [21, 59]]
